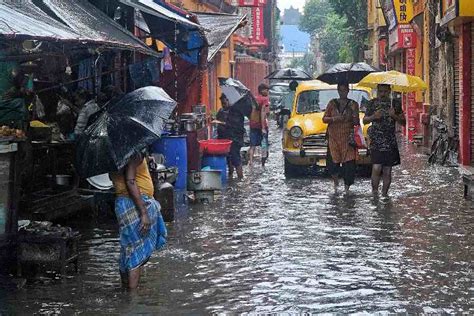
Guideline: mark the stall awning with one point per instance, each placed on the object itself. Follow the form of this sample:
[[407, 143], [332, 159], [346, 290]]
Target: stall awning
[[183, 36], [156, 9], [86, 19], [24, 20], [221, 27], [58, 20]]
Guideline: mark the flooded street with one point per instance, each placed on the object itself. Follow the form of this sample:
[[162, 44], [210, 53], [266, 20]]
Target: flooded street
[[275, 245]]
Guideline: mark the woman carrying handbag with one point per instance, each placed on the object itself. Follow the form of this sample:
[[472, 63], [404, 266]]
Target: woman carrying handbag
[[341, 115]]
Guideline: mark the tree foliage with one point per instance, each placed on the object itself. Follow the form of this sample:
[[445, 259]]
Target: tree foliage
[[305, 63], [314, 16], [356, 23], [340, 25], [334, 40]]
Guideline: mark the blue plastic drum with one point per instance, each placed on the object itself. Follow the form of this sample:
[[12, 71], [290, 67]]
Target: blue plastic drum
[[173, 148], [217, 162]]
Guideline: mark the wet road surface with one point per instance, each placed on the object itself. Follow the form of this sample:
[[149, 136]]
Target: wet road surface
[[275, 245]]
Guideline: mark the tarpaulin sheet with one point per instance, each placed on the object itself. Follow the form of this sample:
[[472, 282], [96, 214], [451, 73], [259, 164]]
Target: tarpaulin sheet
[[82, 22], [177, 32], [23, 19], [87, 20], [221, 27]]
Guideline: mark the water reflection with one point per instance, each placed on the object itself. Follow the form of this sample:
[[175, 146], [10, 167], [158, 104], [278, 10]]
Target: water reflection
[[271, 244]]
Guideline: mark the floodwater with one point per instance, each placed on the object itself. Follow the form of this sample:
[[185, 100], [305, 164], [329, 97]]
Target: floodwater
[[272, 245]]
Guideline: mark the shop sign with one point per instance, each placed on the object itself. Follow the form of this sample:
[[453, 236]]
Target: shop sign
[[258, 36], [389, 12], [252, 3], [453, 9], [397, 12], [382, 52], [403, 36], [411, 97]]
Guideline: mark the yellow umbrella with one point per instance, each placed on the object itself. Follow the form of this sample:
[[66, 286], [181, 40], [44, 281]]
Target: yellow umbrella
[[399, 82]]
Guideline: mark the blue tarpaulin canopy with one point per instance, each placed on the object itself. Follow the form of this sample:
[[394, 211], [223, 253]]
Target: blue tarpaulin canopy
[[183, 36]]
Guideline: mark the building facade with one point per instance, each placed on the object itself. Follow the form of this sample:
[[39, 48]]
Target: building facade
[[432, 39]]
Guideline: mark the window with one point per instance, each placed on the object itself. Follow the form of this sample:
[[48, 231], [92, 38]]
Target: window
[[314, 101]]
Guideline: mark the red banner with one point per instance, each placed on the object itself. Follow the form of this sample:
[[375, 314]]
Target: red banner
[[382, 52], [412, 114], [258, 36]]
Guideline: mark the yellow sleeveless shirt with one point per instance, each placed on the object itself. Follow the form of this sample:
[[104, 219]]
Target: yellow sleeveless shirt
[[142, 178]]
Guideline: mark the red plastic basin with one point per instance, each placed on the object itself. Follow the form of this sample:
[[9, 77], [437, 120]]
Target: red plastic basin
[[215, 146]]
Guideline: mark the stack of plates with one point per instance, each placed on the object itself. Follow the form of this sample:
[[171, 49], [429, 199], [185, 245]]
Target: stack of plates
[[101, 182]]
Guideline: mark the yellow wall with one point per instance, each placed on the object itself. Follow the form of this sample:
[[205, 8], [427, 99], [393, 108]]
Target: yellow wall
[[371, 12], [466, 8], [380, 18]]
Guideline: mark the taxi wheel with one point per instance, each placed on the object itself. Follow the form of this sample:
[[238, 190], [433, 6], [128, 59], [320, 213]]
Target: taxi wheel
[[291, 170]]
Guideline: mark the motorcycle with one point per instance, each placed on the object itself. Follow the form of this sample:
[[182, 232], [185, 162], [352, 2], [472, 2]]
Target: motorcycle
[[282, 113]]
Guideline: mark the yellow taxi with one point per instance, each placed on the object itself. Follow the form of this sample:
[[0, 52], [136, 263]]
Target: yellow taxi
[[304, 137]]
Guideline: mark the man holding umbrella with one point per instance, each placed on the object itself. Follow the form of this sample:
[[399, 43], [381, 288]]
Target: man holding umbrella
[[113, 144], [383, 113], [242, 102]]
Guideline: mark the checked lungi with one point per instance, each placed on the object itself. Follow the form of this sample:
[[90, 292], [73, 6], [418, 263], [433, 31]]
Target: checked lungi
[[136, 248]]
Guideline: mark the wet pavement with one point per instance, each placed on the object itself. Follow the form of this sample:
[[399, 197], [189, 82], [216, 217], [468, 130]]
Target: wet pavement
[[275, 245]]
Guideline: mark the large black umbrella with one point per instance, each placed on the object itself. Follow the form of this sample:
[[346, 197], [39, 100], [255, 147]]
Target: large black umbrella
[[346, 73], [289, 74], [122, 129], [238, 94]]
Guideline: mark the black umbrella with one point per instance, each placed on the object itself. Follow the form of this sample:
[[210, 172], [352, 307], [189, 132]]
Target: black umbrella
[[122, 129], [238, 94], [289, 74], [346, 73]]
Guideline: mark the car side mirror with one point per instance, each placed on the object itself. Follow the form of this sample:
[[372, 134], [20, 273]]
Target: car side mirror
[[293, 85]]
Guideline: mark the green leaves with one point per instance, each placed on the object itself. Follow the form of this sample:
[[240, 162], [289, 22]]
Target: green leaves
[[341, 27]]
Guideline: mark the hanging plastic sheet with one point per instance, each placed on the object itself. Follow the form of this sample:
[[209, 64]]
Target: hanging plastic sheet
[[175, 30], [145, 73]]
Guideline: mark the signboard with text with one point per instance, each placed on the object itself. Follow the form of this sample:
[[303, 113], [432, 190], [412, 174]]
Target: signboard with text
[[397, 12], [252, 3], [382, 52], [404, 36], [258, 36], [411, 111]]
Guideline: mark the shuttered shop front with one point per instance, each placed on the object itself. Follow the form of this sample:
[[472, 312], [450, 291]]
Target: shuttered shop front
[[457, 88], [472, 94]]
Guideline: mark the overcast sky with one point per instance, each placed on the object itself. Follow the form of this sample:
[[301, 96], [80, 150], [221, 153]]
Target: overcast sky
[[284, 4]]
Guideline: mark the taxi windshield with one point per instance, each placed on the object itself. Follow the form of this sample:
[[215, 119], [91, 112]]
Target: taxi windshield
[[317, 100]]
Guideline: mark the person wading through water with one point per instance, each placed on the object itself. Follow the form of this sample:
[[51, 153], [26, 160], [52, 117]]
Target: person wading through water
[[383, 113], [341, 115], [142, 229]]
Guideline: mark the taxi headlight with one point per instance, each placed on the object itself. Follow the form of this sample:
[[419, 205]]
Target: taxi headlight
[[296, 132]]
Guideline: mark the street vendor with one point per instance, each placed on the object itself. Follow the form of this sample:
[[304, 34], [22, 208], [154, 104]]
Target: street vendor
[[142, 229], [87, 107], [221, 117]]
